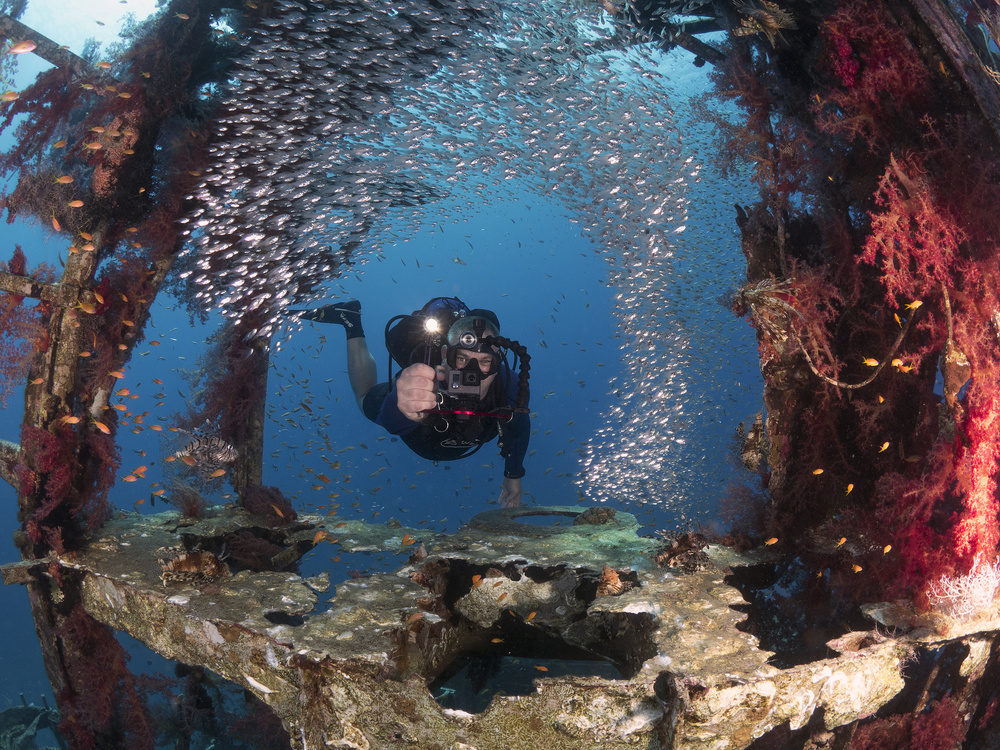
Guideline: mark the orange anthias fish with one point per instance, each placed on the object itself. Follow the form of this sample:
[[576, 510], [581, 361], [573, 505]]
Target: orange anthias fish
[[19, 48]]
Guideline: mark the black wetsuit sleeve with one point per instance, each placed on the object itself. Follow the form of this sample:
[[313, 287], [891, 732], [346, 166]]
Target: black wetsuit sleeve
[[516, 434], [391, 418]]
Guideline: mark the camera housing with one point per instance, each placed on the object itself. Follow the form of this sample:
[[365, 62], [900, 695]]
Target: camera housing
[[468, 333], [465, 381]]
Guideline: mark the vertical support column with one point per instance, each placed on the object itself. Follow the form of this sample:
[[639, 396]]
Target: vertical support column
[[249, 467]]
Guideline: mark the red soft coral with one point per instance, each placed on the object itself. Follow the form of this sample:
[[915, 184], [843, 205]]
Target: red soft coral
[[100, 704], [270, 503], [22, 328], [914, 239], [881, 77]]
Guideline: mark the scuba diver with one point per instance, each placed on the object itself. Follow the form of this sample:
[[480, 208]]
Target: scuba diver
[[456, 391]]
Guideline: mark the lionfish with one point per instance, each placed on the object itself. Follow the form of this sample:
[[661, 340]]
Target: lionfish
[[178, 565], [611, 584], [768, 19], [206, 452]]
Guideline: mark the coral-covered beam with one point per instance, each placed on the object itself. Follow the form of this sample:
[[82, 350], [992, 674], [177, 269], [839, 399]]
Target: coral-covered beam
[[48, 50], [25, 286], [695, 46], [956, 46], [9, 456]]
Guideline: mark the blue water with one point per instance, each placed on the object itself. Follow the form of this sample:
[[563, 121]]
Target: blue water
[[529, 257]]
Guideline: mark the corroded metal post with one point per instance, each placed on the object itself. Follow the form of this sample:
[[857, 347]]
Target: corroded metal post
[[249, 467]]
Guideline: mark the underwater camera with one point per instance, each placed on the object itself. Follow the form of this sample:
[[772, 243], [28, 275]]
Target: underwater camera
[[448, 323], [465, 381]]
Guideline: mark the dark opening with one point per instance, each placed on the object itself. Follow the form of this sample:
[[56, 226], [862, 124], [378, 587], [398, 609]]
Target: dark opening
[[283, 618], [792, 612], [511, 657], [547, 519]]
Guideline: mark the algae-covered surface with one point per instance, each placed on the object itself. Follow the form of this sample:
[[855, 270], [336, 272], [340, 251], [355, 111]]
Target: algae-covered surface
[[354, 670]]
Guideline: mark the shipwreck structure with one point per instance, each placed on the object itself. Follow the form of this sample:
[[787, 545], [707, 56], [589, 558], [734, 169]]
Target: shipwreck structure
[[871, 131], [358, 672]]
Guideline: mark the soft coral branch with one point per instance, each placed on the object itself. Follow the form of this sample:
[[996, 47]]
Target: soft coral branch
[[22, 328], [915, 239]]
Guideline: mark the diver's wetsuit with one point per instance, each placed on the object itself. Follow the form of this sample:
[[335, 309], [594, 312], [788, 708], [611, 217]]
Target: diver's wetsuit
[[461, 436]]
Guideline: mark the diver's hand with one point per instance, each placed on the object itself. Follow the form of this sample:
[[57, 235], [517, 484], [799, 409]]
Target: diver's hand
[[510, 496], [416, 391]]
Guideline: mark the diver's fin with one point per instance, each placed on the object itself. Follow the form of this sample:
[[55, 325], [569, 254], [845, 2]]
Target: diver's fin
[[347, 314]]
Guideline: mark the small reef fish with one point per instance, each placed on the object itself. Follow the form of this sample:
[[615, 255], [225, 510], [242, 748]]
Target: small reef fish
[[20, 48]]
